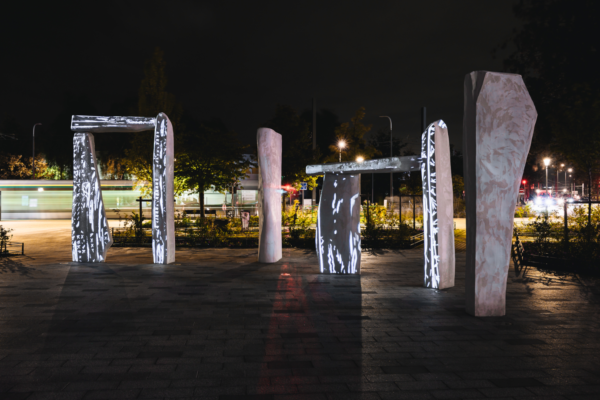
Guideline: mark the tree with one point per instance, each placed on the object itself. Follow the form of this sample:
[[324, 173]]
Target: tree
[[327, 122], [211, 159], [557, 55], [56, 141], [297, 150], [381, 142], [14, 167], [576, 135], [353, 133], [153, 99]]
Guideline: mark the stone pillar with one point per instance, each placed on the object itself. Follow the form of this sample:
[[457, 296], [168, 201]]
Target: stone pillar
[[338, 225], [269, 195], [438, 207], [499, 118], [90, 235], [163, 223]]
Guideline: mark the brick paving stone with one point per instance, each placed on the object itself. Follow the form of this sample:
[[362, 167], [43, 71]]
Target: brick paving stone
[[218, 325]]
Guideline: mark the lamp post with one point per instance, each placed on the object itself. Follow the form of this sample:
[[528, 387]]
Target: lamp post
[[341, 145], [546, 163], [33, 155], [570, 169], [391, 173]]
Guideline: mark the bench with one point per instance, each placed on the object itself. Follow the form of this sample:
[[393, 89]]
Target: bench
[[522, 260]]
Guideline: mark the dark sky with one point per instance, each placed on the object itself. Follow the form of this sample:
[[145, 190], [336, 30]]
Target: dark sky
[[237, 60]]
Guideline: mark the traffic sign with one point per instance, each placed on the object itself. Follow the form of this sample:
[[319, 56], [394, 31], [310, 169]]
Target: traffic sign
[[303, 186]]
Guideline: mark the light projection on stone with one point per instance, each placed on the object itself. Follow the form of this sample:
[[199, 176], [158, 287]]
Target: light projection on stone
[[338, 225], [438, 207], [499, 117], [90, 234], [163, 225], [269, 195], [337, 237]]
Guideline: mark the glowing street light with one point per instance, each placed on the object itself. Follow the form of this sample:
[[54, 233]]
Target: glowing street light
[[341, 145], [546, 163], [359, 159]]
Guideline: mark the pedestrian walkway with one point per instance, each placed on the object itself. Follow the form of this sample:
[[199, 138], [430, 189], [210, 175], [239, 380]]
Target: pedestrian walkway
[[218, 325]]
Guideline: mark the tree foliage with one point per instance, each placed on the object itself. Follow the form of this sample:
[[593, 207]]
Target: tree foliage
[[297, 150], [353, 133], [558, 57], [212, 159], [153, 99], [15, 167]]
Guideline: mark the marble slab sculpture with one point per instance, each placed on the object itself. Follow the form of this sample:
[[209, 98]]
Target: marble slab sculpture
[[438, 207], [269, 195], [163, 224], [337, 237], [379, 165], [90, 235], [499, 117]]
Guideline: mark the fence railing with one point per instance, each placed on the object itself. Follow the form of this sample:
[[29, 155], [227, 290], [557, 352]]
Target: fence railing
[[13, 248]]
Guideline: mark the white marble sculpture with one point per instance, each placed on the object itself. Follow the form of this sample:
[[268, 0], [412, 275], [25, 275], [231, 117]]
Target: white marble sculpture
[[90, 235], [338, 225], [163, 225], [269, 195], [499, 117], [438, 207], [337, 237]]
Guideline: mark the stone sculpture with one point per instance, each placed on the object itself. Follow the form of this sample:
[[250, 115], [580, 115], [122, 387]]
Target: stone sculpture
[[338, 225], [269, 195], [163, 225], [90, 235], [337, 237], [438, 207], [499, 117]]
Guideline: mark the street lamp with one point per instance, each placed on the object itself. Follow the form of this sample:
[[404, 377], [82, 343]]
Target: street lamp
[[341, 145], [391, 173], [570, 170], [33, 158], [546, 163], [359, 159]]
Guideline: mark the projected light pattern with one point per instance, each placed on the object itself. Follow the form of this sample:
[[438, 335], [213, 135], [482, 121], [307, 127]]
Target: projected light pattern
[[163, 224], [338, 225], [438, 208], [88, 216], [430, 220], [90, 235]]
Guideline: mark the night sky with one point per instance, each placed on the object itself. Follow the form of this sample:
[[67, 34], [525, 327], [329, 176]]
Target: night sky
[[237, 60]]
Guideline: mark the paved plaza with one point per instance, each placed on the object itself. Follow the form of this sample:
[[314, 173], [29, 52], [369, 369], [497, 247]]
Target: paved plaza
[[219, 325]]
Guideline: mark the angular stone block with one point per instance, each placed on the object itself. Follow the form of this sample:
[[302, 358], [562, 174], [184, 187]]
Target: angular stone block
[[269, 195], [499, 117], [338, 224], [90, 235], [438, 207], [163, 223]]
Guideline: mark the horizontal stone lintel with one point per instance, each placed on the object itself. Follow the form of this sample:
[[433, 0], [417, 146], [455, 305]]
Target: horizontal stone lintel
[[377, 166], [95, 124]]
